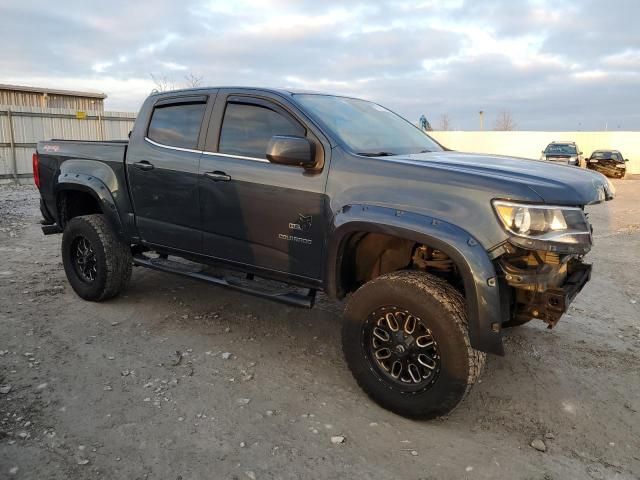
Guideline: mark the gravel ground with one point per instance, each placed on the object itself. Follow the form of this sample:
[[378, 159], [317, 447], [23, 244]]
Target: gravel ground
[[180, 380]]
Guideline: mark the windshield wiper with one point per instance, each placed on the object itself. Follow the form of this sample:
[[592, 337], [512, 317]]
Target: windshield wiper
[[376, 154]]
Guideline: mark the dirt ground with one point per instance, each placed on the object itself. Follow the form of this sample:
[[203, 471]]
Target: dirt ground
[[180, 380]]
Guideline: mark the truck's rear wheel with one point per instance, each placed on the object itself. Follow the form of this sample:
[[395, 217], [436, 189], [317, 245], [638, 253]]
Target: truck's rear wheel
[[406, 341], [96, 261]]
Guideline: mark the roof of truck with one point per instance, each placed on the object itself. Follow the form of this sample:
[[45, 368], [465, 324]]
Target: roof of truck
[[282, 91]]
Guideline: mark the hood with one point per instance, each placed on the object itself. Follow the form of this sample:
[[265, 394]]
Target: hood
[[555, 184]]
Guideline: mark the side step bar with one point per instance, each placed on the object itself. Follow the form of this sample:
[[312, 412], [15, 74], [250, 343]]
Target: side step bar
[[290, 298], [51, 229]]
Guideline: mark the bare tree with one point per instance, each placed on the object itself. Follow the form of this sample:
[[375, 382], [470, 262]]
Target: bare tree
[[162, 83], [192, 80], [445, 123], [505, 122]]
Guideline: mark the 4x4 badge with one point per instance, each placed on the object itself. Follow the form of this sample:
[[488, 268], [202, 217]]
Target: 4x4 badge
[[304, 223]]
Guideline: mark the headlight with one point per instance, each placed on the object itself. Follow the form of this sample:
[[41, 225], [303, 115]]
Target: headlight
[[542, 223]]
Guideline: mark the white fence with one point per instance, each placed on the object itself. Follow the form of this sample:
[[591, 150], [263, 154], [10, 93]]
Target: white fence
[[530, 144], [22, 127]]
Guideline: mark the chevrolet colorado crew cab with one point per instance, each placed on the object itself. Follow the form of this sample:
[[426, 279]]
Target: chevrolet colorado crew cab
[[435, 251]]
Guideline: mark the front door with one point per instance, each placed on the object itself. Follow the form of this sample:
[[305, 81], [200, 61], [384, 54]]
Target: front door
[[163, 174], [255, 212]]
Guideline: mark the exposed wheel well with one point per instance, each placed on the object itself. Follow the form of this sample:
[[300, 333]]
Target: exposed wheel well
[[368, 255], [74, 203]]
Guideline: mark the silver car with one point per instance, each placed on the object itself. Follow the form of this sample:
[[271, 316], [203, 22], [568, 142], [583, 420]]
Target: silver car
[[563, 152]]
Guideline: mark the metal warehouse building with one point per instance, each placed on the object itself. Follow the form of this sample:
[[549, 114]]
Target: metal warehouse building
[[19, 96], [30, 114]]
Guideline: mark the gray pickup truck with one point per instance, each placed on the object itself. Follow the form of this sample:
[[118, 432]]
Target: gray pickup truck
[[435, 251]]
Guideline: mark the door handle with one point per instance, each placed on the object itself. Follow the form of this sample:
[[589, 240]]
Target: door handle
[[217, 176], [143, 165]]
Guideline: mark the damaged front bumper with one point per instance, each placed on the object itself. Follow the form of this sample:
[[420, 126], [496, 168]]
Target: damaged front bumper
[[540, 285]]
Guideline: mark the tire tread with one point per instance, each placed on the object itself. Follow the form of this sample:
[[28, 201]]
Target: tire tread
[[117, 255], [454, 303]]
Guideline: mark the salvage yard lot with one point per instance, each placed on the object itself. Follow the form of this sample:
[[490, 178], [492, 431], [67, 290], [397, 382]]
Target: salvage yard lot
[[176, 379]]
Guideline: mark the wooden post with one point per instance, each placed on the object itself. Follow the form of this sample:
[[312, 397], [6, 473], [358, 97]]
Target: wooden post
[[12, 143]]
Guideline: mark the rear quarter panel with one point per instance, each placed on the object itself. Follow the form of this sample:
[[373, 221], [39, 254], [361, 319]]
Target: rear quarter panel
[[67, 164]]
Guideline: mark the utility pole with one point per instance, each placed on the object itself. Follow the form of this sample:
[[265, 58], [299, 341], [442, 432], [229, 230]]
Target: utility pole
[[481, 112]]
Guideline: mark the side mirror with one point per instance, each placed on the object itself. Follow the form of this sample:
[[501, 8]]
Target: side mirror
[[293, 151], [579, 153], [626, 159], [542, 152]]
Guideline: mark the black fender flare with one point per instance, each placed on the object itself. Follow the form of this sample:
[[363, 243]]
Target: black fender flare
[[471, 258], [97, 189]]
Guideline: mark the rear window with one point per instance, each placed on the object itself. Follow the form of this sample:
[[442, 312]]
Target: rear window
[[177, 125]]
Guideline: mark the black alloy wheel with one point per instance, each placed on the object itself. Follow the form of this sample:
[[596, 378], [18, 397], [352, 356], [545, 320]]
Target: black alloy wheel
[[402, 349], [84, 259]]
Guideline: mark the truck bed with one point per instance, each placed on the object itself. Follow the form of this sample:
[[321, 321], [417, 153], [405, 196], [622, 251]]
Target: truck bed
[[102, 161]]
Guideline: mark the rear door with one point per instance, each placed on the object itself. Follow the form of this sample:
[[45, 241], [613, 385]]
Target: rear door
[[162, 166], [254, 212]]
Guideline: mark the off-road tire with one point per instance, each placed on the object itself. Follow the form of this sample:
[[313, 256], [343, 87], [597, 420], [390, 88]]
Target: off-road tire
[[442, 309], [112, 258]]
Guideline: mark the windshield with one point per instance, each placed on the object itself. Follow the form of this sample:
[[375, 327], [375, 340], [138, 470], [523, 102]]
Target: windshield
[[607, 155], [366, 127], [562, 149]]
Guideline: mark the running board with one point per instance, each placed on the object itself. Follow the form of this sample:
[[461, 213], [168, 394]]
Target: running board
[[290, 298], [51, 229]]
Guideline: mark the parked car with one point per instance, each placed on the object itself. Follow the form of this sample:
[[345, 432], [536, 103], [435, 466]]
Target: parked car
[[435, 251], [609, 162], [563, 152]]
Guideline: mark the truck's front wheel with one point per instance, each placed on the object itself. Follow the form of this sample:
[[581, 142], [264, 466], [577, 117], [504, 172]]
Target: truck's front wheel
[[96, 261], [406, 341]]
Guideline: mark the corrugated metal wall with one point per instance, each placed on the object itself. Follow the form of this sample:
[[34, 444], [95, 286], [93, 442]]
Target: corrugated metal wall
[[30, 125], [51, 100]]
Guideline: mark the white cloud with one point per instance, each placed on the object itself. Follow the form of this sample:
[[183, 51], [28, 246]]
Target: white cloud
[[100, 67], [155, 47], [173, 66], [629, 59]]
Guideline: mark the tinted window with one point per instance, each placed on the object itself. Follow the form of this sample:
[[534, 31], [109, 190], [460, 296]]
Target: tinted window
[[177, 125], [607, 155], [247, 129]]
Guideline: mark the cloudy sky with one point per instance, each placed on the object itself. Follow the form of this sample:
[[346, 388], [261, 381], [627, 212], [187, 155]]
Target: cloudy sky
[[553, 64]]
